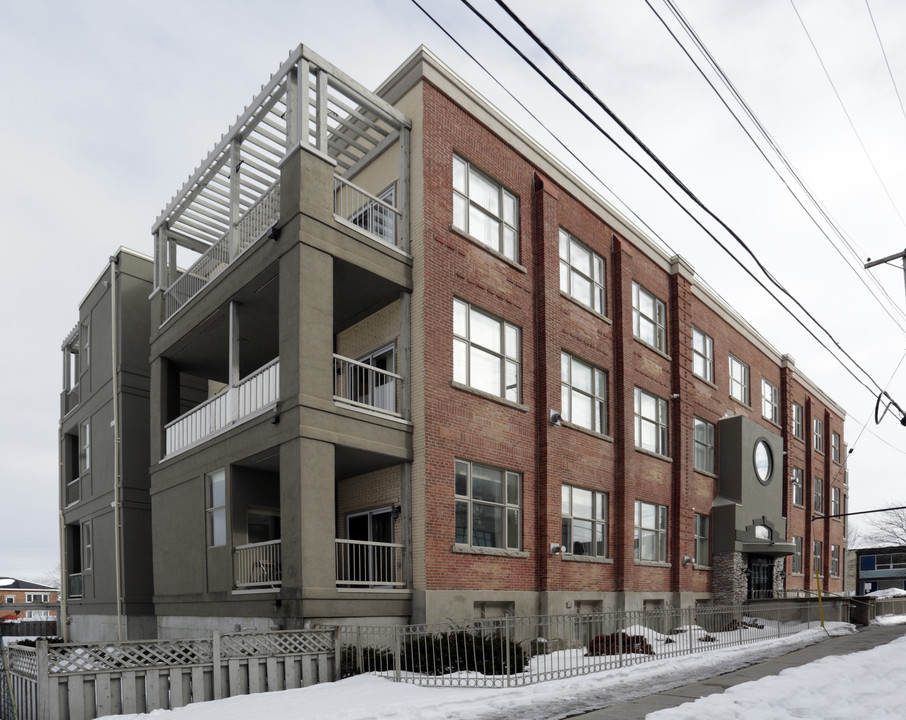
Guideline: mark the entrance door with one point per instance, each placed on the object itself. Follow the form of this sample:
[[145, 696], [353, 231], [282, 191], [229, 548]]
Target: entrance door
[[761, 577], [369, 562]]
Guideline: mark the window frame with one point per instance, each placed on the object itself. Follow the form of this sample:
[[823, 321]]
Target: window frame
[[508, 333], [707, 444], [597, 397], [87, 548], [84, 347], [464, 204], [704, 356], [796, 565], [770, 401], [835, 561], [818, 494], [657, 323], [215, 513], [817, 557], [84, 446], [661, 516], [834, 501], [835, 447], [598, 521], [798, 420], [470, 502], [798, 488], [743, 383], [702, 539], [568, 271], [818, 434], [660, 423]]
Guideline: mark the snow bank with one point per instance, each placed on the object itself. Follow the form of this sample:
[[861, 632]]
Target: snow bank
[[887, 593]]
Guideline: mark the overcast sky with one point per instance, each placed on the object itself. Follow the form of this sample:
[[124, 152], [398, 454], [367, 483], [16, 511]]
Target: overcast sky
[[109, 106]]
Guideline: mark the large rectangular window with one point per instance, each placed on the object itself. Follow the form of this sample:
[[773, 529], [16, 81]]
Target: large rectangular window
[[835, 561], [583, 394], [85, 446], [649, 318], [835, 447], [703, 439], [487, 506], [770, 402], [216, 511], [702, 539], [702, 355], [85, 346], [581, 272], [797, 421], [739, 380], [817, 550], [818, 434], [835, 501], [797, 555], [584, 521], [650, 422], [486, 352], [650, 531], [818, 495], [87, 546], [796, 482], [485, 210]]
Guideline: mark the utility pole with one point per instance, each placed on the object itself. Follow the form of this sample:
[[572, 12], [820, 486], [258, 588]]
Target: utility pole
[[897, 256]]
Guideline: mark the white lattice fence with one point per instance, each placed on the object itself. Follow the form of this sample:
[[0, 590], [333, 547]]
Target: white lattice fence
[[84, 681]]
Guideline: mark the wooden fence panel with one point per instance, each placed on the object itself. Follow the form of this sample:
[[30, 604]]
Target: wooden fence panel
[[127, 689], [102, 694], [152, 691]]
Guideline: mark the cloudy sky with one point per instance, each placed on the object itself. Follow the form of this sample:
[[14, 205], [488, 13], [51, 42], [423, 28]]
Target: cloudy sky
[[109, 106]]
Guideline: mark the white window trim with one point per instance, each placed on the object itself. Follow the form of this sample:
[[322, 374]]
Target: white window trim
[[796, 565], [508, 359], [835, 561], [702, 540], [818, 495], [660, 423], [508, 505], [597, 397], [463, 195], [658, 323], [707, 444], [797, 483], [571, 518], [706, 355], [818, 557], [835, 446], [212, 511], [798, 419], [568, 272], [661, 520], [818, 434], [770, 401], [739, 386]]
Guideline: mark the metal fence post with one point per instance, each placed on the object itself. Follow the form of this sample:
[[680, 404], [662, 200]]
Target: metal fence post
[[337, 654], [509, 666], [397, 655]]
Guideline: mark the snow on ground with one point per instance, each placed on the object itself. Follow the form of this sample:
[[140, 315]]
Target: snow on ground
[[839, 686], [367, 697], [887, 593]]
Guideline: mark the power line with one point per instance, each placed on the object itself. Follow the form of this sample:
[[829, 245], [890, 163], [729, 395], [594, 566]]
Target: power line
[[886, 61], [697, 41], [846, 112]]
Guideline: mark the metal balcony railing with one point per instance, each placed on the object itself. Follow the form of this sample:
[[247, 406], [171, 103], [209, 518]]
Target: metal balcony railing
[[365, 385], [365, 564], [73, 494], [258, 565], [377, 216], [230, 406], [75, 585]]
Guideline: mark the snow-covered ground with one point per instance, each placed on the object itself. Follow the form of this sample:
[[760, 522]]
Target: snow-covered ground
[[818, 691]]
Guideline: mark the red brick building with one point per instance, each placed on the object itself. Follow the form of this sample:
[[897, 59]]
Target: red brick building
[[22, 592]]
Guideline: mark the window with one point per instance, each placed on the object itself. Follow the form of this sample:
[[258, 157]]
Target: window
[[650, 531], [87, 547], [770, 402], [377, 216], [487, 506], [584, 521], [702, 355], [37, 597], [835, 501], [650, 422], [84, 446], [797, 421], [648, 318], [835, 561], [485, 352], [818, 428], [702, 535], [216, 482], [10, 599], [892, 561], [583, 394], [581, 273], [818, 500], [484, 209], [797, 555], [796, 482], [835, 447], [85, 346], [703, 445], [739, 380], [816, 557]]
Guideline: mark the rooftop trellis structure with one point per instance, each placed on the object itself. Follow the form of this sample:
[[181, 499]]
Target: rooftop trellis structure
[[233, 198]]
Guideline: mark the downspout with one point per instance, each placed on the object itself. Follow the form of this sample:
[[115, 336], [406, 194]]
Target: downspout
[[62, 623], [117, 473]]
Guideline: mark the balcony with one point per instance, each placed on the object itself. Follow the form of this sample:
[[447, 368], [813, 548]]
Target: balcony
[[258, 565], [369, 565], [75, 585], [231, 406], [366, 386]]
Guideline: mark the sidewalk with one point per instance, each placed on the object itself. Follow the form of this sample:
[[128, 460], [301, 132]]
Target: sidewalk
[[866, 639]]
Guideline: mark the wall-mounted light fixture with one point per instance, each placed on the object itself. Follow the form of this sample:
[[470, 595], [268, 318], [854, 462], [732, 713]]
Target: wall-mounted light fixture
[[555, 418], [687, 561], [557, 549], [395, 511]]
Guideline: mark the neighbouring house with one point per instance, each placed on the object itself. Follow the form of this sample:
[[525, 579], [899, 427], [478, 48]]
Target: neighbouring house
[[18, 593], [405, 366], [880, 568]]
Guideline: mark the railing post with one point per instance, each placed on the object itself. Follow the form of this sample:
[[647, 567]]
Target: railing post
[[217, 678], [44, 701], [397, 655], [337, 654]]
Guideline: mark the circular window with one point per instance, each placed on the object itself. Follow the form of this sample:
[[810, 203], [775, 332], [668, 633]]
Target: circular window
[[764, 464]]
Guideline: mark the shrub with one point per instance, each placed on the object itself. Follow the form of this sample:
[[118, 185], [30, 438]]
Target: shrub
[[372, 659], [463, 651], [618, 642]]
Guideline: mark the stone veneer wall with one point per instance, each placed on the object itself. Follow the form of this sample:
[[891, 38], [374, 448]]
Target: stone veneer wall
[[729, 584]]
